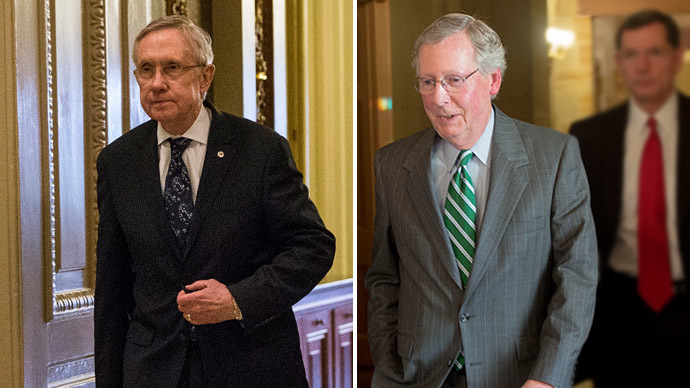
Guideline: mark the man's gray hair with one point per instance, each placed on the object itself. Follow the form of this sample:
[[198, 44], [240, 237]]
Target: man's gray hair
[[489, 52], [198, 40]]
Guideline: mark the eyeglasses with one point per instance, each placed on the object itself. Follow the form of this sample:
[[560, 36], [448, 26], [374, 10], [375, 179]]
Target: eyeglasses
[[452, 83], [169, 71]]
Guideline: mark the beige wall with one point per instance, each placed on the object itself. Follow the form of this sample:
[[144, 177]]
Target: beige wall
[[319, 101], [329, 130], [572, 92], [408, 19]]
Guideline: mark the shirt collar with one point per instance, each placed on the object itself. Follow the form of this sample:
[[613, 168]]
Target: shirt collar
[[665, 116], [480, 149], [197, 132]]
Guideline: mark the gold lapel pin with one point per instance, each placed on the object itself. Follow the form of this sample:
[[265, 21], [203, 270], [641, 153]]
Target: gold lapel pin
[[221, 154]]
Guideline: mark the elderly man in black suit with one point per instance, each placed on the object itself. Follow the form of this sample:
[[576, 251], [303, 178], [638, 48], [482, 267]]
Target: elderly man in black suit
[[207, 235], [639, 176]]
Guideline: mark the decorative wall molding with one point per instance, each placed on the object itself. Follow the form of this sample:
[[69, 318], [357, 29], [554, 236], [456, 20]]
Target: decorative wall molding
[[85, 380], [11, 333], [74, 301], [96, 125], [80, 370], [261, 65], [176, 7], [626, 7], [50, 156]]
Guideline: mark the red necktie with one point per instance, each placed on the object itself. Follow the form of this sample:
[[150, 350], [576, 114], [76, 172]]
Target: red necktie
[[654, 276]]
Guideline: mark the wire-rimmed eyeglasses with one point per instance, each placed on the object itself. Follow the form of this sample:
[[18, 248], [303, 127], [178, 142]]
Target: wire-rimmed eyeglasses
[[169, 71], [452, 83]]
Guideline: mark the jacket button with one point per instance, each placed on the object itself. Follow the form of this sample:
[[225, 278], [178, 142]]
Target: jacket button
[[464, 317]]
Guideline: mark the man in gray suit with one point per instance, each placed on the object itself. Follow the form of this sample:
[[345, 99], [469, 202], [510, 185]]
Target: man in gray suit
[[485, 260]]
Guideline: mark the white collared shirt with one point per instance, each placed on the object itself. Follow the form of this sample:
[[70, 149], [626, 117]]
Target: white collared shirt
[[444, 164], [624, 253], [193, 156]]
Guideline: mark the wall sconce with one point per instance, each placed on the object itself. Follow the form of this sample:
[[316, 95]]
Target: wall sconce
[[559, 40]]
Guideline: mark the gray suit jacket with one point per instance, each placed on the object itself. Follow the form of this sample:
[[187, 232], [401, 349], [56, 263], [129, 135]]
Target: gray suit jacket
[[529, 301]]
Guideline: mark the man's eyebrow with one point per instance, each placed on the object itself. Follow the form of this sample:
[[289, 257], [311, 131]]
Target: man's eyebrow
[[166, 61]]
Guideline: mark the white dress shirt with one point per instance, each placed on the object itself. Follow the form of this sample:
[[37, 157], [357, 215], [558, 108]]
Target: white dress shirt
[[624, 253], [193, 156], [444, 164]]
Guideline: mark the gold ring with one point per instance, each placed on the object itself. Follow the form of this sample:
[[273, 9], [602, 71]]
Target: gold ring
[[188, 316]]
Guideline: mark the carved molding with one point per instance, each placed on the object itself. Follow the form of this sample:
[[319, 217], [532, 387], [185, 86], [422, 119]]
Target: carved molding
[[85, 380], [52, 232], [64, 373], [73, 301], [176, 7], [95, 127], [96, 137], [261, 65]]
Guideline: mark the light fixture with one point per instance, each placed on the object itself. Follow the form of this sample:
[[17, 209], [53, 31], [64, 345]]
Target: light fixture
[[559, 40]]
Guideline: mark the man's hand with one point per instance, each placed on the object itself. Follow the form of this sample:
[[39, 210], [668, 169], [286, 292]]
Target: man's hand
[[207, 302], [536, 384]]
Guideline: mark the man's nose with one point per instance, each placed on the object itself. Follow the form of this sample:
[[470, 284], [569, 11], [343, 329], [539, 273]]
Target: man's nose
[[440, 95], [642, 62], [158, 81]]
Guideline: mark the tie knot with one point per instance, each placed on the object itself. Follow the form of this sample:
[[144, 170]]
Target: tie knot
[[465, 157], [651, 123], [177, 146]]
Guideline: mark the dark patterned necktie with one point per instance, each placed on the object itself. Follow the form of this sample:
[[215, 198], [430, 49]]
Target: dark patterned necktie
[[179, 204]]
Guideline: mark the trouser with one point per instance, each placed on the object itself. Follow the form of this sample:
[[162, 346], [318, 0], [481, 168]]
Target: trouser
[[193, 369], [632, 346], [455, 379]]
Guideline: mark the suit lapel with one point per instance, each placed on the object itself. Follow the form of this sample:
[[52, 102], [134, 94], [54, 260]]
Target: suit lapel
[[508, 180], [419, 189], [610, 168], [151, 188], [682, 181], [219, 156]]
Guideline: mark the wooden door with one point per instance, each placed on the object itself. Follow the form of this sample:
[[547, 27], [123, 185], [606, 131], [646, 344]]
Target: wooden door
[[316, 331], [342, 347], [374, 129], [75, 93]]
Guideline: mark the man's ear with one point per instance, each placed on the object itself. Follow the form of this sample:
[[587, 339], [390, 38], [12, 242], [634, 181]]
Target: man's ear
[[207, 77], [496, 80]]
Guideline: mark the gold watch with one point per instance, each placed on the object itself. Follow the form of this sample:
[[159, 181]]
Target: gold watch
[[236, 310]]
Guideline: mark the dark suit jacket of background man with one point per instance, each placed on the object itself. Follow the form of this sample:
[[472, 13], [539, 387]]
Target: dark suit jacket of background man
[[254, 229], [528, 304], [602, 138]]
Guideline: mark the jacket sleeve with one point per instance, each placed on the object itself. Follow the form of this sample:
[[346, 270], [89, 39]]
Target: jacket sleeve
[[304, 248], [383, 283], [574, 274], [113, 297]]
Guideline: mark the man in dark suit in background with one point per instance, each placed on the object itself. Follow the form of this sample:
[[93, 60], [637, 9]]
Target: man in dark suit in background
[[485, 262], [207, 235], [639, 173]]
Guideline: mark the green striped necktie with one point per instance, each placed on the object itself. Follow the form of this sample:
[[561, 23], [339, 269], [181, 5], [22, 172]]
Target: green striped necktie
[[458, 215]]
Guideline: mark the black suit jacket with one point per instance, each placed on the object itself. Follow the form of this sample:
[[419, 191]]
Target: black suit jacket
[[602, 139], [254, 229]]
